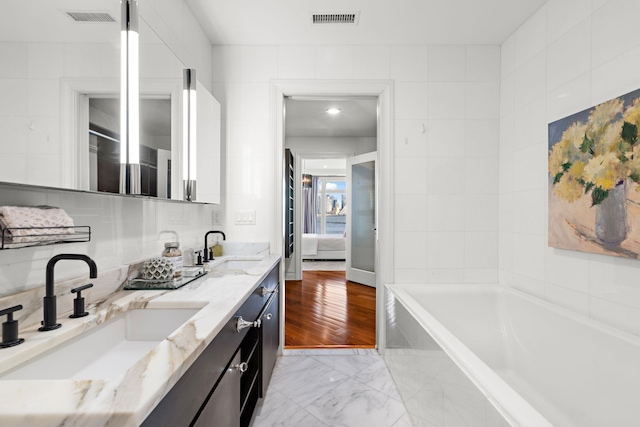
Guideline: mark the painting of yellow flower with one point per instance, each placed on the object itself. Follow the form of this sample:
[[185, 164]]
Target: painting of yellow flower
[[594, 177]]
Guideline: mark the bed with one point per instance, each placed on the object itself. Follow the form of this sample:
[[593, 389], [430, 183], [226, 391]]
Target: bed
[[323, 246]]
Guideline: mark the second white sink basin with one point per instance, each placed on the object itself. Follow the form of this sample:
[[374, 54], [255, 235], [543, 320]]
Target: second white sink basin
[[107, 350]]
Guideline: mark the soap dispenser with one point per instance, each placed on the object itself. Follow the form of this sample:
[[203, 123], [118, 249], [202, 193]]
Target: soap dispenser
[[216, 250]]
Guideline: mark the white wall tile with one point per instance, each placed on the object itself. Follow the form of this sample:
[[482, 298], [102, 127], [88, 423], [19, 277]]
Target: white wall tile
[[529, 255], [411, 212], [447, 63], [409, 63], [483, 64], [255, 101], [529, 211], [570, 98], [482, 138], [446, 138], [445, 175], [563, 15], [410, 250], [81, 60], [570, 56], [14, 129], [411, 101], [507, 95], [481, 275], [530, 168], [43, 97], [530, 124], [446, 100], [446, 212], [613, 30], [615, 77], [445, 275], [531, 37], [481, 212], [296, 62], [481, 175], [567, 269], [412, 275], [410, 175], [13, 101], [482, 101], [411, 138], [508, 56], [14, 60], [45, 60], [480, 250], [530, 80], [617, 315], [371, 62], [258, 63], [226, 63], [334, 62], [445, 250]]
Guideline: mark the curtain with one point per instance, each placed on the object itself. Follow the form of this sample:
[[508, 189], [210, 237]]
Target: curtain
[[309, 206]]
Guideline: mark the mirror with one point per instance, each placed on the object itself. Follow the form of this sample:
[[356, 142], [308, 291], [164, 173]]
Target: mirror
[[57, 93]]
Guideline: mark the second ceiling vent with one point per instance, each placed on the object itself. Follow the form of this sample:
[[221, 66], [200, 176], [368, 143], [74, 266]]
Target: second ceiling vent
[[335, 18]]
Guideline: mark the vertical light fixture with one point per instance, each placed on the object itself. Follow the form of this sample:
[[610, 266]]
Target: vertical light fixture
[[129, 100], [189, 134]]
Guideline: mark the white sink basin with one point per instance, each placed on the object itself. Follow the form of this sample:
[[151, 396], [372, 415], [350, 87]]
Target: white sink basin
[[107, 350], [236, 264]]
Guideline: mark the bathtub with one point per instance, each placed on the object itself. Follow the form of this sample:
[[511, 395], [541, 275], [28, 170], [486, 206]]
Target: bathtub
[[493, 356]]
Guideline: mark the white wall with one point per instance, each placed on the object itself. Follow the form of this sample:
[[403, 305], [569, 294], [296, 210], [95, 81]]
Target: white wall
[[335, 145], [446, 179], [569, 56]]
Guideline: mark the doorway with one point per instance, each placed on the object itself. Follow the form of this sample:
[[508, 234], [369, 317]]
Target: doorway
[[334, 143], [383, 90]]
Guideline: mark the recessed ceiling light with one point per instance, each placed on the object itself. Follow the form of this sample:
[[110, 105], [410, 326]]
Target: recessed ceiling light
[[333, 110]]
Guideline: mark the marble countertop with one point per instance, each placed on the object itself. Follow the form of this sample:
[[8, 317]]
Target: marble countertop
[[127, 399]]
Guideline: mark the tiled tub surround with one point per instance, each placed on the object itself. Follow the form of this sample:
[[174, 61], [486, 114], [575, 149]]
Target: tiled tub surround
[[127, 399], [449, 346]]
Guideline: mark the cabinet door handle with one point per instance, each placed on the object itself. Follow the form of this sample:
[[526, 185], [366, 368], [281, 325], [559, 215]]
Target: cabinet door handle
[[268, 316], [243, 324], [264, 291], [242, 367]]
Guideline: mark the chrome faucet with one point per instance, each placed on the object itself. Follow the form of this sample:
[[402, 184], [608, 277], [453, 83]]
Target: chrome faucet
[[49, 304], [206, 249]]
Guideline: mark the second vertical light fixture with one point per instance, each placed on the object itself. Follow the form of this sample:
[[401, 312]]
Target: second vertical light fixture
[[189, 131], [129, 100]]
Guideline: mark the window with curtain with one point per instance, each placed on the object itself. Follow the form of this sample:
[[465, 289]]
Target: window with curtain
[[331, 204]]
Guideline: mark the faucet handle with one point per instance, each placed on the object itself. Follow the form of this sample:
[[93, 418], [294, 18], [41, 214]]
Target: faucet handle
[[78, 302], [10, 328], [199, 253]]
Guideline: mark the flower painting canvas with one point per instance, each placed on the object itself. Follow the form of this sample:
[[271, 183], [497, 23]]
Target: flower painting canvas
[[594, 179]]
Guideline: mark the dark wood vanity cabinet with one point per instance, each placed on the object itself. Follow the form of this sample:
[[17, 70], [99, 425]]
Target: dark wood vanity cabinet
[[222, 387]]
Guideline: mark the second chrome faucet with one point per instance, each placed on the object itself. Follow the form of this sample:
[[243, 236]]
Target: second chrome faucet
[[49, 307]]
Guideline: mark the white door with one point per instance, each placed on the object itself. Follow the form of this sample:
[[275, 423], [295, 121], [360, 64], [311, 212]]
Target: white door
[[362, 236]]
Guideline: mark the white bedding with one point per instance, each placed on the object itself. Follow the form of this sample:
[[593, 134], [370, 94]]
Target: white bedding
[[316, 244]]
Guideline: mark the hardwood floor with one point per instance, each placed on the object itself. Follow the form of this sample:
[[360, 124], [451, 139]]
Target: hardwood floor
[[325, 310]]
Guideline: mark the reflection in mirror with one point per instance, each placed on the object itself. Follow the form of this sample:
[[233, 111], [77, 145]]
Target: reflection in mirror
[[155, 146], [46, 46]]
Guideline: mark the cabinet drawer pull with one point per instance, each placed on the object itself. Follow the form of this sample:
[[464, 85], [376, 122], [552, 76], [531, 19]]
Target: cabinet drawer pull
[[243, 324], [268, 316], [264, 291], [242, 367]]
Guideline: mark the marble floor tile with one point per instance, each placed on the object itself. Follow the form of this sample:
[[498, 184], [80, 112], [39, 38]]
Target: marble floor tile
[[319, 388], [304, 379], [355, 404]]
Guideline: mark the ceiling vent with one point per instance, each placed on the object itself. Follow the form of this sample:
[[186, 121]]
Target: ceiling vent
[[90, 16], [335, 18]]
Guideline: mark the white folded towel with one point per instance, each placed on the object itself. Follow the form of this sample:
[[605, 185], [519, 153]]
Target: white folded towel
[[34, 224]]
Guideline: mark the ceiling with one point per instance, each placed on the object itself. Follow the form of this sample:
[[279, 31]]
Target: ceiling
[[309, 118], [381, 22]]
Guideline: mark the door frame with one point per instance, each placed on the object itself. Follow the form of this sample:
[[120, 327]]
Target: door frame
[[383, 89]]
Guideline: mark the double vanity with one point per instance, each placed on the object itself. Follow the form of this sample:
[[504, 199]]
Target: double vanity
[[199, 355]]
